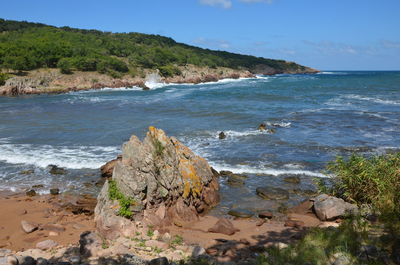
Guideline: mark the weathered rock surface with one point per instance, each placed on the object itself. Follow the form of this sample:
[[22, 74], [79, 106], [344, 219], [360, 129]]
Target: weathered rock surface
[[108, 168], [328, 207], [46, 244], [223, 226], [271, 193], [162, 176], [28, 227]]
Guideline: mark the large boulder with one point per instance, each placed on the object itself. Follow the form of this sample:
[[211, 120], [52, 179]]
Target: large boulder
[[328, 207], [165, 179]]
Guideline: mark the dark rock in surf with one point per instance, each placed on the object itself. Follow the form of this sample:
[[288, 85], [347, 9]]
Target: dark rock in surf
[[292, 179], [54, 191], [31, 193], [262, 127], [221, 135], [55, 170], [271, 193]]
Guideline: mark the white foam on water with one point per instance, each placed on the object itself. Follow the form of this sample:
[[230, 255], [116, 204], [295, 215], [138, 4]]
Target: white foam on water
[[281, 124], [73, 157], [230, 134], [133, 88], [241, 169], [373, 99]]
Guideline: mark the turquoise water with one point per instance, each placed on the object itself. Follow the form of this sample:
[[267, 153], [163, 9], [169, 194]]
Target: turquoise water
[[315, 117]]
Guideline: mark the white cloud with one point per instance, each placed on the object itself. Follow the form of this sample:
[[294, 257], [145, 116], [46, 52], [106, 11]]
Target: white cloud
[[220, 3]]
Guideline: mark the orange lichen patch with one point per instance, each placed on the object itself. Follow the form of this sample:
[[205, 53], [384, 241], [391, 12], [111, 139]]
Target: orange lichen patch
[[192, 182], [158, 135]]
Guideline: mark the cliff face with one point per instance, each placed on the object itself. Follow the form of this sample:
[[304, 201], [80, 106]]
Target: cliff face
[[165, 182]]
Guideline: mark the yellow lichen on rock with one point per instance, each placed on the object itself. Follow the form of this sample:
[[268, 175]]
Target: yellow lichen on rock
[[192, 182]]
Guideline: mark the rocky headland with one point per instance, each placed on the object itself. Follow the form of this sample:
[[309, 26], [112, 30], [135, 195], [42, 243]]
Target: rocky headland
[[51, 81]]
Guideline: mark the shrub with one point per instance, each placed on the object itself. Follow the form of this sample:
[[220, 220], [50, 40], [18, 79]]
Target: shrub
[[124, 202], [169, 70], [65, 65], [374, 180], [3, 78]]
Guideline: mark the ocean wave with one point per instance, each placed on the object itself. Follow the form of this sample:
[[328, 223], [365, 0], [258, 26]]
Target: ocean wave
[[281, 124], [375, 100], [73, 157], [241, 169]]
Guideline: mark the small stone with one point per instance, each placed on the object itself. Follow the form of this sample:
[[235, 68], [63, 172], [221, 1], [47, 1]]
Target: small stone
[[159, 261], [11, 260], [42, 261], [268, 215], [28, 227], [51, 233], [55, 170], [46, 244], [225, 172], [223, 226], [31, 193], [241, 213], [198, 251], [221, 135], [166, 237], [292, 179], [54, 191], [26, 260], [22, 212], [260, 222], [271, 193]]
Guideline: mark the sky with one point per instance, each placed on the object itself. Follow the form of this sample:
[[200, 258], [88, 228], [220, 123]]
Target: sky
[[323, 34]]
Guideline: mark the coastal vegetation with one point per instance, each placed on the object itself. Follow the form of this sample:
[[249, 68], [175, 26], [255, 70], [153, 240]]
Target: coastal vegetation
[[370, 237], [124, 202], [27, 46]]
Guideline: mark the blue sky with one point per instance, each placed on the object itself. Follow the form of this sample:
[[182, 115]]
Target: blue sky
[[324, 34]]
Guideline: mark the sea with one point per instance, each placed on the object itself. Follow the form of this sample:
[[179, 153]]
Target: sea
[[312, 118]]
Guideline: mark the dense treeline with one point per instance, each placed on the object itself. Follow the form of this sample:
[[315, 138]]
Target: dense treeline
[[27, 46]]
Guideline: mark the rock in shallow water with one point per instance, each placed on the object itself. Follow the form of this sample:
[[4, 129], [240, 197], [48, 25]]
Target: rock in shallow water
[[242, 213], [55, 170], [292, 179], [271, 193]]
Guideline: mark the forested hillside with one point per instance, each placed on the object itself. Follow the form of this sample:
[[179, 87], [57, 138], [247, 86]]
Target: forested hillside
[[26, 46]]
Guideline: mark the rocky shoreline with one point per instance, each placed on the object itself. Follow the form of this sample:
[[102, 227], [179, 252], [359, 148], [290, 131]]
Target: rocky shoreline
[[153, 210], [51, 81]]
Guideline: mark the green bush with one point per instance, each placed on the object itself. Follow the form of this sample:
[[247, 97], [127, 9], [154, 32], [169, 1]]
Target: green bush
[[319, 245], [3, 78], [169, 70], [65, 66], [374, 180], [124, 202]]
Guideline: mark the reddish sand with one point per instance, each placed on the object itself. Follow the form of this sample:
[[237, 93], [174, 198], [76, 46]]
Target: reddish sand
[[44, 211]]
